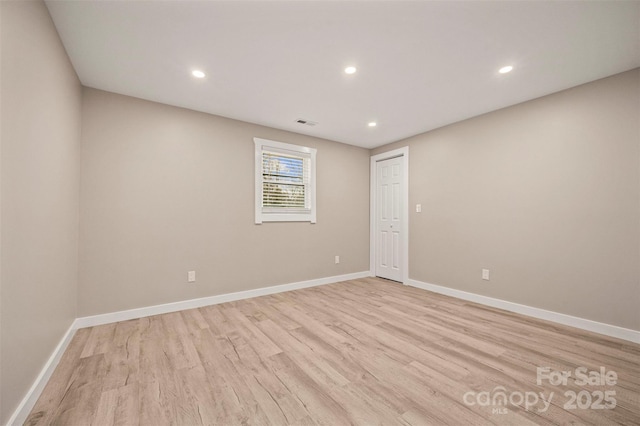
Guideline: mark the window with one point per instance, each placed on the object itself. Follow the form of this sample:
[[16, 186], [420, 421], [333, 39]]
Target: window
[[285, 182]]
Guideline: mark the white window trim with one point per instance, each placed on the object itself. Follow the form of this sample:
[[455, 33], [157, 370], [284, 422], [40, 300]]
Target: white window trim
[[262, 216]]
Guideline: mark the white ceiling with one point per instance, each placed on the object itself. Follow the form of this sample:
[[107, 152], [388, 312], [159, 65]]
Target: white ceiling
[[421, 65]]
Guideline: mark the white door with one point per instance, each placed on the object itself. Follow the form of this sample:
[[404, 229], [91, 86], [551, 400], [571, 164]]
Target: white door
[[389, 238]]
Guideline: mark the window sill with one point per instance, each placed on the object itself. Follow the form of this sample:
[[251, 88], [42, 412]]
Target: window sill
[[274, 217]]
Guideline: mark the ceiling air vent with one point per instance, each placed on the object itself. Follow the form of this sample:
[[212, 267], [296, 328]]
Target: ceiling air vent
[[306, 122]]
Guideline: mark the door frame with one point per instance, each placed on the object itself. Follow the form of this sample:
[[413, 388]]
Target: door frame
[[404, 153]]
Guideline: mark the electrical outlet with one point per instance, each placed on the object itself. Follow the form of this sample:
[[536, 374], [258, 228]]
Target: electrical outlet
[[485, 274], [418, 208], [191, 276], [337, 259]]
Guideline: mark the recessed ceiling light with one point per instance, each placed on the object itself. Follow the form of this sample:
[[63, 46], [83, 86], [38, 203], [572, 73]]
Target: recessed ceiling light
[[350, 70], [372, 124], [505, 70], [198, 74]]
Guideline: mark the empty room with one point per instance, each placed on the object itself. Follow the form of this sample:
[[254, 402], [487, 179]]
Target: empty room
[[319, 212]]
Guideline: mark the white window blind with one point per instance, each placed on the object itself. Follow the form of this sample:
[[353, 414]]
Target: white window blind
[[285, 182]]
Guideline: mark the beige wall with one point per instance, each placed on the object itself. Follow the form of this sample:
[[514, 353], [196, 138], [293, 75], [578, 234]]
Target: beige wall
[[165, 190], [41, 107], [545, 194]]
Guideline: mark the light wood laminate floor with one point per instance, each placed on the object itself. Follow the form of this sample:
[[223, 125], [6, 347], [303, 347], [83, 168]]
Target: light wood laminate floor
[[360, 352]]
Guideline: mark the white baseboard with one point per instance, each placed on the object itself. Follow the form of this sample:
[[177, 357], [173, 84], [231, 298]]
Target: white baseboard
[[211, 300], [584, 324], [26, 405]]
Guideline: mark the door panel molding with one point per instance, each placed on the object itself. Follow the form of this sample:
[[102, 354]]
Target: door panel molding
[[389, 220], [373, 209]]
